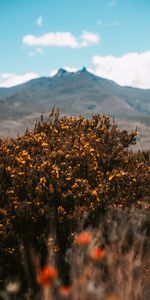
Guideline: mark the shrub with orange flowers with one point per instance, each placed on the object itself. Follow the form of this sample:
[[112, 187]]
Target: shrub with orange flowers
[[63, 170]]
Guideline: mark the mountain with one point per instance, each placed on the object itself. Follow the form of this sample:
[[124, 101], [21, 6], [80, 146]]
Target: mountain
[[74, 93]]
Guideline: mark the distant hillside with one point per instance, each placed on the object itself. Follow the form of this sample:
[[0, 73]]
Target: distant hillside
[[74, 93]]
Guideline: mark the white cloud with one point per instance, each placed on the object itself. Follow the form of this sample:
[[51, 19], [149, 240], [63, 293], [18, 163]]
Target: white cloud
[[39, 21], [131, 69], [61, 39], [36, 52], [53, 72], [70, 69], [112, 3], [89, 38], [11, 79]]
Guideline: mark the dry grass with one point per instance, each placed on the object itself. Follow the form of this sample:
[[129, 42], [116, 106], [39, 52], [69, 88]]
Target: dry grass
[[110, 262]]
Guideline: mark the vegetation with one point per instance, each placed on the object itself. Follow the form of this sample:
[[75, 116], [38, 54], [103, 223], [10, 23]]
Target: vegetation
[[63, 176]]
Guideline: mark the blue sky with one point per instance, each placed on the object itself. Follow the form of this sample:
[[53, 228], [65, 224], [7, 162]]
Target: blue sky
[[109, 37]]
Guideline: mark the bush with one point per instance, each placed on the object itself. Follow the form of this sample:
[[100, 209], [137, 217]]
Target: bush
[[63, 170]]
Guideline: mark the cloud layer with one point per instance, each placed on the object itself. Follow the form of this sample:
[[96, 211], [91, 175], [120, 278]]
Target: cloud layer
[[11, 79], [61, 39], [131, 69]]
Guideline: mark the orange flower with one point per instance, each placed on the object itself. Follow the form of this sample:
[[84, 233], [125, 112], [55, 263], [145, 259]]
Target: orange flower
[[97, 253], [65, 291], [47, 275], [93, 193], [83, 238]]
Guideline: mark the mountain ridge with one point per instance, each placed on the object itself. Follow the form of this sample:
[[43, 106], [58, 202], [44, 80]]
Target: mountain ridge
[[62, 72], [75, 93]]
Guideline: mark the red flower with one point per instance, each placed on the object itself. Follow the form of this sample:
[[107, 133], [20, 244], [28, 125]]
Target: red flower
[[83, 238], [97, 253], [47, 275], [65, 291]]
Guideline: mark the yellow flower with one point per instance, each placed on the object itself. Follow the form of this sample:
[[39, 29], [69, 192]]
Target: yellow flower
[[8, 168], [44, 144], [20, 160], [51, 188], [110, 177], [43, 181], [61, 210], [93, 193], [121, 173]]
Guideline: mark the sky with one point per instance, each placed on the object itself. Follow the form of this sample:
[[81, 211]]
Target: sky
[[111, 38]]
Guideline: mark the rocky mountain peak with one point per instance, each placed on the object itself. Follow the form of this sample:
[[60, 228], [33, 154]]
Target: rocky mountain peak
[[61, 72]]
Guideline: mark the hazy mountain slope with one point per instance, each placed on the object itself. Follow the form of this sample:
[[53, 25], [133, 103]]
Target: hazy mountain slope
[[75, 93], [80, 86]]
